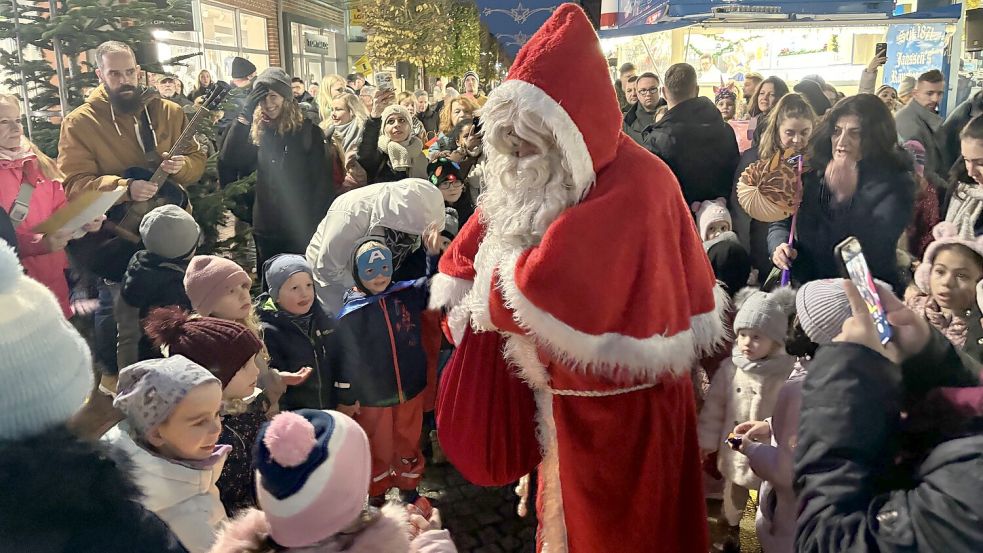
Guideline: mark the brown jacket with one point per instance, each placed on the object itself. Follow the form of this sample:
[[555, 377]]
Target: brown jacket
[[93, 152]]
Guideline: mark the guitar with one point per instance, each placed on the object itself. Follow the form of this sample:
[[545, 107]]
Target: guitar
[[108, 251]]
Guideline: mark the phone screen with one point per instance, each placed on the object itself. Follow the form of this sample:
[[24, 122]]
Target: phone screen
[[881, 49], [856, 267], [385, 81]]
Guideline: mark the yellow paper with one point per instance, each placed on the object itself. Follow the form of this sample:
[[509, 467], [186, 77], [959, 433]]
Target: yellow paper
[[81, 211]]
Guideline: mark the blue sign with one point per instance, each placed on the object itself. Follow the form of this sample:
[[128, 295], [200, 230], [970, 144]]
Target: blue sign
[[514, 23], [913, 50]]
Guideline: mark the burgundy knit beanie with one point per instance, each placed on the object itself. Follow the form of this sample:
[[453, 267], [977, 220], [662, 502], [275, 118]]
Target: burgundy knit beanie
[[223, 347], [209, 277]]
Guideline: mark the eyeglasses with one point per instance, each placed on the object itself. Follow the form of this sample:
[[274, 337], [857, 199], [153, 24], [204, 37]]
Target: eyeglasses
[[448, 184], [646, 91]]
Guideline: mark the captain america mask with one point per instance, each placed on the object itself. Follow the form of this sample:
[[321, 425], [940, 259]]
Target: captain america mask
[[374, 262]]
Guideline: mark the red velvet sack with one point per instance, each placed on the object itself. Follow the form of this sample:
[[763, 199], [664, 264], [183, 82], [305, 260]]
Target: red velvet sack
[[486, 415]]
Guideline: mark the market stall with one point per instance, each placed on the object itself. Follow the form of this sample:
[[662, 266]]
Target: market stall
[[725, 41]]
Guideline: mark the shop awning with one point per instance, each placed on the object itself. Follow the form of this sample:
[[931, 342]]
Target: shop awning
[[648, 16]]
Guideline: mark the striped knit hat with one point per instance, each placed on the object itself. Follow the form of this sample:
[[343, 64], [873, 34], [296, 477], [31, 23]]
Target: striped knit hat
[[822, 307], [312, 475]]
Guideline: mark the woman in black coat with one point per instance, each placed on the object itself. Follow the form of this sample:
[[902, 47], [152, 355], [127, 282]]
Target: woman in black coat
[[294, 175], [870, 480], [860, 184]]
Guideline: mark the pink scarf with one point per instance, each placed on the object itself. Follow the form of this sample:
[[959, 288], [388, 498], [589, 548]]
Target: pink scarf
[[951, 327]]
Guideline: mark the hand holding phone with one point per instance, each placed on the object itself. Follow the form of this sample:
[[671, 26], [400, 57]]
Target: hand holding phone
[[852, 255]]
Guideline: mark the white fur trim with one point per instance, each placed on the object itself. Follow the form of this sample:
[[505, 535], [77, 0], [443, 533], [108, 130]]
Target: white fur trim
[[522, 352], [568, 136], [609, 353], [447, 291]]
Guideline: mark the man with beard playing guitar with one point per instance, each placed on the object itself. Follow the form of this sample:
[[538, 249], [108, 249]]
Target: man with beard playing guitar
[[121, 125]]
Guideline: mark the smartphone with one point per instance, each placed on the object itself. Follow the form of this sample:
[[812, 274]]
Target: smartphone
[[852, 255], [880, 50], [384, 81]]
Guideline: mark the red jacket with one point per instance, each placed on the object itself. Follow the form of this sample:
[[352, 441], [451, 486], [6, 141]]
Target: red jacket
[[44, 266]]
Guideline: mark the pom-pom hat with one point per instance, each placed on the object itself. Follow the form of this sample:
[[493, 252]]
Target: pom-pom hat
[[710, 212], [312, 475], [765, 312]]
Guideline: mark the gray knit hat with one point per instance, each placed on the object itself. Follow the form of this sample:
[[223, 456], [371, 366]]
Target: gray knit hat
[[148, 391], [281, 267], [45, 366], [277, 80], [170, 232], [822, 307], [766, 312]]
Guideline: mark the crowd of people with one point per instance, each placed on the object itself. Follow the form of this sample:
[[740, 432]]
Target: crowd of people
[[633, 289]]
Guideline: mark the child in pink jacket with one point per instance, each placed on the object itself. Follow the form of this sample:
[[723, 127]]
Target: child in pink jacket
[[312, 484]]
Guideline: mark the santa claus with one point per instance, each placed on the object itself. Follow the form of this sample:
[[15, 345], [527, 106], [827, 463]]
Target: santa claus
[[584, 256]]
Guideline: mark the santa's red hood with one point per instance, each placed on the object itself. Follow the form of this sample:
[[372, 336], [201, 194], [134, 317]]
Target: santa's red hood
[[562, 75]]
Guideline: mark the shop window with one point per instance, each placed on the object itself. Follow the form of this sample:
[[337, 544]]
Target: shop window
[[252, 31], [218, 25]]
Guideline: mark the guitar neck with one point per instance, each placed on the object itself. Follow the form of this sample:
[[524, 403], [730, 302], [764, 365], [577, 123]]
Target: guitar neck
[[179, 146]]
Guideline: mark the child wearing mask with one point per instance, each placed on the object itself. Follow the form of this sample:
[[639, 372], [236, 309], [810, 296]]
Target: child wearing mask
[[155, 275], [171, 434], [382, 381], [946, 285], [228, 350], [746, 388], [298, 333], [821, 307], [313, 473]]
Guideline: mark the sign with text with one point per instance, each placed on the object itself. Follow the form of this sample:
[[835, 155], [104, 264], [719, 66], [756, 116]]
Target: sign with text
[[319, 44], [913, 50]]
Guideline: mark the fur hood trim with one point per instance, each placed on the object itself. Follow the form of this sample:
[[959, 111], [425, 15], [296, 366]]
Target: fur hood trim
[[250, 532]]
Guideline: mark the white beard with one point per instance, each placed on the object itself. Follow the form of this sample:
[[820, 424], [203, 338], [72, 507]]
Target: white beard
[[521, 199], [524, 196]]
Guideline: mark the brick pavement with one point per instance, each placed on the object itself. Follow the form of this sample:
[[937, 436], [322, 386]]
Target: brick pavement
[[480, 520]]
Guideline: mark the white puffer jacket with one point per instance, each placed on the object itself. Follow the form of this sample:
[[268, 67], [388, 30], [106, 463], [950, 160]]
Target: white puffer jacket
[[741, 391], [185, 498]]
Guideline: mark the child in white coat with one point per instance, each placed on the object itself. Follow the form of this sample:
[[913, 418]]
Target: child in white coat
[[821, 307], [170, 433], [746, 388]]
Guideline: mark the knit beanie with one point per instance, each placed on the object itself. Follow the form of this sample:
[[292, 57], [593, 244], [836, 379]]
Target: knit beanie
[[945, 233], [45, 365], [395, 108], [710, 212], [170, 232], [822, 307], [280, 268], [208, 278], [276, 80], [452, 224], [312, 475], [765, 312], [917, 152], [470, 74], [242, 68], [148, 391], [223, 347]]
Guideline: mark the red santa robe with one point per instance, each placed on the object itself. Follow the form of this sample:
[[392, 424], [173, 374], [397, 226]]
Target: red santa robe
[[603, 318]]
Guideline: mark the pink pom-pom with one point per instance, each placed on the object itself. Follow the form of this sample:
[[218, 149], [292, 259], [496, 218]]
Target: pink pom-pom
[[290, 439]]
